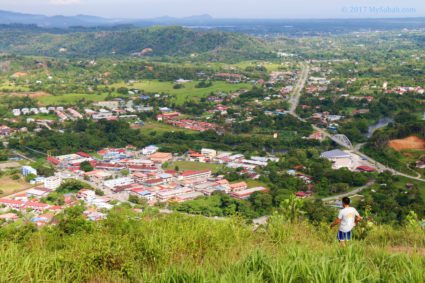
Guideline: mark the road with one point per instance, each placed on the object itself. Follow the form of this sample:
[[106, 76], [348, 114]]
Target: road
[[23, 156], [294, 100], [295, 96], [353, 192]]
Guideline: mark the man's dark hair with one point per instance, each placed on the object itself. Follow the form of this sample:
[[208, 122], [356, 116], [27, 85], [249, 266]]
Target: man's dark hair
[[346, 200]]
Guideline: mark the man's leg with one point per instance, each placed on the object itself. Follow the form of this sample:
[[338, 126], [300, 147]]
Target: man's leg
[[342, 237]]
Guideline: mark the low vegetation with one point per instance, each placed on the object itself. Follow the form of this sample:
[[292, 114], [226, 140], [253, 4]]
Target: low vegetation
[[177, 248]]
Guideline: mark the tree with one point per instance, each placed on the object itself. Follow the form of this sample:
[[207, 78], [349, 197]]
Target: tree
[[291, 208], [86, 166], [72, 186], [30, 177]]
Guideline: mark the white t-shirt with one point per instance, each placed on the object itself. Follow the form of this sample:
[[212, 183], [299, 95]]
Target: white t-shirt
[[347, 216]]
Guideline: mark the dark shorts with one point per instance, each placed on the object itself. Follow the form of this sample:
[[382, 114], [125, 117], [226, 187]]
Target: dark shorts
[[344, 236]]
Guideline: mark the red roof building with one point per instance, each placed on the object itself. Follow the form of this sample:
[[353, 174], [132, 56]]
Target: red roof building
[[365, 168]]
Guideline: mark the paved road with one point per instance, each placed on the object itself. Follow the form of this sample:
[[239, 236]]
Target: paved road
[[353, 192], [295, 96]]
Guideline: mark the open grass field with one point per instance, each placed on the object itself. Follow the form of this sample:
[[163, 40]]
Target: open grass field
[[189, 89], [70, 98], [9, 186], [196, 166], [250, 183]]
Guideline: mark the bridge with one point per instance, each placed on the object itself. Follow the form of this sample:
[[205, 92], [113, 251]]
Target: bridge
[[342, 140]]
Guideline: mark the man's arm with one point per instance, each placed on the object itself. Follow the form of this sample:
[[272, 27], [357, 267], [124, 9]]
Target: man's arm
[[357, 220], [337, 221]]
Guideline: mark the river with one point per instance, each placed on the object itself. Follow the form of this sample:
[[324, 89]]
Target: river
[[382, 122]]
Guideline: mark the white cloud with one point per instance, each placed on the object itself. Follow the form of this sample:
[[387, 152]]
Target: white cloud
[[64, 2]]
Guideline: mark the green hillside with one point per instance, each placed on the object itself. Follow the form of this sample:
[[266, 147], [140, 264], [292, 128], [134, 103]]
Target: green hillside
[[134, 247], [164, 41]]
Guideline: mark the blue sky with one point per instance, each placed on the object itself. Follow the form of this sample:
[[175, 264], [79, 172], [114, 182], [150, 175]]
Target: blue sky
[[222, 8]]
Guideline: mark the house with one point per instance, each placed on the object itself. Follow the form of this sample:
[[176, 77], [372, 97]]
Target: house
[[365, 168], [9, 216], [38, 192], [246, 194], [153, 182], [302, 195], [86, 194], [166, 116], [5, 130], [165, 177], [238, 187], [53, 160], [161, 157], [338, 157], [197, 157]]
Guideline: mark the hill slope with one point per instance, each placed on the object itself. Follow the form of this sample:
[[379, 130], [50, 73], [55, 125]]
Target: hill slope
[[129, 247], [163, 41]]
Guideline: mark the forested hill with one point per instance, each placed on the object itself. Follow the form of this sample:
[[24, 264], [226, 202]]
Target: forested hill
[[154, 41]]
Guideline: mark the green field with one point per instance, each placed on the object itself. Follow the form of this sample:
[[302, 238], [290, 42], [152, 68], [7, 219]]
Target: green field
[[71, 98], [189, 89], [188, 165], [161, 128]]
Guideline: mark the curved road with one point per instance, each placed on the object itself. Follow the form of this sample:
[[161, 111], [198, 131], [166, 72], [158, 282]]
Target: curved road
[[353, 192]]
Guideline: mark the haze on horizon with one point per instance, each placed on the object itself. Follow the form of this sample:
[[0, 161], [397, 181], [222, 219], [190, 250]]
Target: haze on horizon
[[264, 9]]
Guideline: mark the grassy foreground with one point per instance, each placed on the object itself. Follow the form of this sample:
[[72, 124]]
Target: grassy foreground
[[179, 248]]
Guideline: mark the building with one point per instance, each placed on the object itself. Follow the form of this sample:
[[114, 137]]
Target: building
[[118, 182], [86, 194], [25, 170], [195, 176], [238, 186], [209, 153], [338, 157], [161, 157], [365, 168], [5, 130], [108, 104], [246, 194], [52, 182]]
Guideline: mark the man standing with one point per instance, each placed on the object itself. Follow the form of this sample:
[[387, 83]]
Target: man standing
[[348, 217]]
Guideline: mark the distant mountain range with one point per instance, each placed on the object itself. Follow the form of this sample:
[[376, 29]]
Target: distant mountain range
[[7, 17], [290, 27]]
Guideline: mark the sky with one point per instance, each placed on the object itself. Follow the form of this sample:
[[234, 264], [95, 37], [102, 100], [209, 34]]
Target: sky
[[276, 9]]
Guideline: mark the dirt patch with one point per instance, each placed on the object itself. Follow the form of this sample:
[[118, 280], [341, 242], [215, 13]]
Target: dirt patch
[[9, 186], [30, 94], [412, 142], [19, 75], [9, 164], [407, 250]]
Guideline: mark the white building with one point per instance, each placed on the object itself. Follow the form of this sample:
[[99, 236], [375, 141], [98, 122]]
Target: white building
[[151, 149], [25, 170], [209, 153], [52, 183], [338, 157], [118, 182]]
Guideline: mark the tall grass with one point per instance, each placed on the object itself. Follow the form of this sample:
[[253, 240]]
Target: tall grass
[[178, 248]]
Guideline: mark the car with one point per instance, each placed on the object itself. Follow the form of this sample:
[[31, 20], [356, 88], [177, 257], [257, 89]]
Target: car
[[364, 158]]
